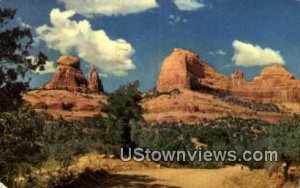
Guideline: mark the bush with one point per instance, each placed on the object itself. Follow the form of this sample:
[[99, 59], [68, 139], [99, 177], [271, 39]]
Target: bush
[[220, 134], [21, 143], [285, 139]]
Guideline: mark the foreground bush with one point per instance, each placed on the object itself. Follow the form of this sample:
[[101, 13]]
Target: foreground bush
[[21, 143]]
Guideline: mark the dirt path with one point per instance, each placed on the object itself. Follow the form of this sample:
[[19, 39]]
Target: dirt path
[[192, 178]]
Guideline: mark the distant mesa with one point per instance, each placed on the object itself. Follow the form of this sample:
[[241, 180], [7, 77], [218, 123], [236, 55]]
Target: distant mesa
[[68, 76], [184, 69]]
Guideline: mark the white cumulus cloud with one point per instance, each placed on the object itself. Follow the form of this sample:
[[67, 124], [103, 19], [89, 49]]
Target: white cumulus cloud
[[93, 46], [189, 5], [109, 7], [246, 54]]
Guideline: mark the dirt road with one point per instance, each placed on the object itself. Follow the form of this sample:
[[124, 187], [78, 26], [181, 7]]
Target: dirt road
[[192, 178]]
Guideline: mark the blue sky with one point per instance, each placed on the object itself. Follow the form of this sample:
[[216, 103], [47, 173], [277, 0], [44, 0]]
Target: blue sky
[[129, 41]]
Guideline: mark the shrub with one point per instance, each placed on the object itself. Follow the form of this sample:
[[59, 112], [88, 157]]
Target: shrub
[[21, 143]]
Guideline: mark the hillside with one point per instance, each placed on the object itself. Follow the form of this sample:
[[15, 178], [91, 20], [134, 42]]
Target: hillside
[[191, 106], [69, 105]]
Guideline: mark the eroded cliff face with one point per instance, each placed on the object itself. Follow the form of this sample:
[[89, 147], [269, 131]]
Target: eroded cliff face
[[68, 75], [184, 69], [273, 84], [174, 74]]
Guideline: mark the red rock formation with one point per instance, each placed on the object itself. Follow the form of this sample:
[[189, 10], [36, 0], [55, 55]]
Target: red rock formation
[[274, 84], [184, 70], [237, 79], [69, 61], [66, 104], [94, 82], [68, 76], [60, 99]]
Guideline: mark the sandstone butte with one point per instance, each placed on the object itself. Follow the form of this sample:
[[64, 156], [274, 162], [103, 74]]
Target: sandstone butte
[[68, 76], [184, 69]]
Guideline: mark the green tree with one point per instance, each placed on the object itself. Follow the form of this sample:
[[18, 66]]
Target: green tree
[[123, 109], [20, 129], [15, 43]]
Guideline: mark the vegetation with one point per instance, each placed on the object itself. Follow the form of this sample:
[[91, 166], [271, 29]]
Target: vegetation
[[153, 93], [20, 130], [259, 107], [229, 98], [123, 110], [285, 138], [21, 143]]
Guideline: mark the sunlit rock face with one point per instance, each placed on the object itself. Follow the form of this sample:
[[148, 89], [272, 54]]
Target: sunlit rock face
[[273, 84], [184, 69], [68, 75]]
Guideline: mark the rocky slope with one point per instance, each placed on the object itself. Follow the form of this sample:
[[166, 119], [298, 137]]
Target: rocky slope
[[191, 106], [69, 105]]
